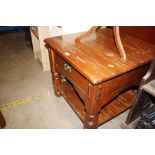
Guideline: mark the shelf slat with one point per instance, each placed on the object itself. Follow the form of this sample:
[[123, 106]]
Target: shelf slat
[[117, 106]]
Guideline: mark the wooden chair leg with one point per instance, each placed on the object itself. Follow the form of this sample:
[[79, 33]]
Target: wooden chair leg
[[85, 34], [119, 43], [2, 120], [116, 36]]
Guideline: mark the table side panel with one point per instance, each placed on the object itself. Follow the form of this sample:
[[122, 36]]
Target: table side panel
[[113, 87]]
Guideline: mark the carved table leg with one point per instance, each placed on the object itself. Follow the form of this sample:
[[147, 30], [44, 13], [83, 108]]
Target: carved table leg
[[57, 83], [56, 76], [92, 108]]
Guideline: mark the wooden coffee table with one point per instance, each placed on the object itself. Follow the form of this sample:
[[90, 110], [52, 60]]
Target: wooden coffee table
[[91, 76]]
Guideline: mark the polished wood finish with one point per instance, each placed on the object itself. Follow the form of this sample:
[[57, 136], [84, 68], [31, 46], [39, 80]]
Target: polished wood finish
[[116, 36], [91, 75], [145, 33], [2, 120], [91, 51]]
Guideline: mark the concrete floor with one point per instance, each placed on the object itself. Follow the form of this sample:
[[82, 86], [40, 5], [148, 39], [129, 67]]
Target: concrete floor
[[21, 76]]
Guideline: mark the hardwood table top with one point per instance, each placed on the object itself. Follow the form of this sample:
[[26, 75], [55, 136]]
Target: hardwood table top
[[96, 57]]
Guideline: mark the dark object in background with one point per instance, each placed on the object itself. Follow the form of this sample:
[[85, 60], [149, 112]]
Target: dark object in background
[[2, 120], [28, 36], [24, 29], [11, 28], [145, 96], [147, 119]]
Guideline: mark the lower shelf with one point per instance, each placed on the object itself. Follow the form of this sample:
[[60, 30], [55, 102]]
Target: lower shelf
[[111, 110], [123, 102]]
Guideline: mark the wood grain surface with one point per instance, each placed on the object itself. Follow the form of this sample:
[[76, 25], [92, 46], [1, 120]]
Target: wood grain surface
[[100, 54]]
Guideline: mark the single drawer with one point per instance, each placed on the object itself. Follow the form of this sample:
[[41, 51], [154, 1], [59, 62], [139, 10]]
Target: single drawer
[[79, 82]]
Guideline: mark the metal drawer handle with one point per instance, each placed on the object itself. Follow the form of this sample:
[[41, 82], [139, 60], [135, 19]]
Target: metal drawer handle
[[67, 67]]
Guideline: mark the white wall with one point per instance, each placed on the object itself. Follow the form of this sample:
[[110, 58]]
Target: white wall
[[55, 31], [75, 29]]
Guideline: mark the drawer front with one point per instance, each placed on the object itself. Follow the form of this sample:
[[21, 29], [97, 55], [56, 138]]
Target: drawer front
[[78, 81]]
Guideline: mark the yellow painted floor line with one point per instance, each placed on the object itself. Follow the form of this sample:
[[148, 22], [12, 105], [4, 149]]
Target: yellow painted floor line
[[19, 101]]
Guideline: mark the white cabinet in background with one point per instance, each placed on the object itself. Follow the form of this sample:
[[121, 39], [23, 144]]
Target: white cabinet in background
[[38, 34]]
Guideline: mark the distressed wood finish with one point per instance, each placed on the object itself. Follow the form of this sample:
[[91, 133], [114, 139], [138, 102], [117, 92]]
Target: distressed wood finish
[[116, 36], [91, 76]]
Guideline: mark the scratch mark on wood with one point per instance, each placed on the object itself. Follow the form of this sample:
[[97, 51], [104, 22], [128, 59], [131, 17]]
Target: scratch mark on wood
[[112, 66], [78, 58]]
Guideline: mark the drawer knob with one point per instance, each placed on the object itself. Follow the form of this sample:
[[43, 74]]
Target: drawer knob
[[67, 67]]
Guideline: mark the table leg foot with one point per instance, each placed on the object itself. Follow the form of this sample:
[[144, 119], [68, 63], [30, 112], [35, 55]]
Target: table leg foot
[[57, 93], [91, 121]]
